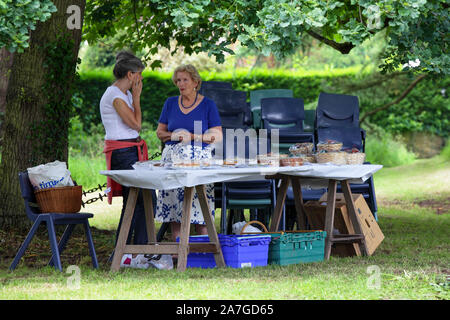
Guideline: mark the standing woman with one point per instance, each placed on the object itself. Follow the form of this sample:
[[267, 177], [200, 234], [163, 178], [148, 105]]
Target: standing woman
[[120, 109], [178, 118]]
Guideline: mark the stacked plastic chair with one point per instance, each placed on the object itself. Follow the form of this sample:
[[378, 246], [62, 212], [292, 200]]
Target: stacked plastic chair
[[255, 101], [337, 118], [285, 115], [255, 195]]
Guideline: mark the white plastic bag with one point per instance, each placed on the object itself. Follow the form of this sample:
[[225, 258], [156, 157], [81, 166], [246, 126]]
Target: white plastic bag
[[160, 261], [50, 175], [237, 228]]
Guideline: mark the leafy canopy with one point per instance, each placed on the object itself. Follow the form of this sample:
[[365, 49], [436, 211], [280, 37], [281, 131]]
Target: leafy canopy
[[18, 17], [415, 29]]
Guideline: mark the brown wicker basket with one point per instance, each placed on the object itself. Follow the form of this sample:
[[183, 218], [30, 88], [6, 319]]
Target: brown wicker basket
[[307, 158], [332, 157], [329, 147], [59, 200], [291, 162], [355, 158]]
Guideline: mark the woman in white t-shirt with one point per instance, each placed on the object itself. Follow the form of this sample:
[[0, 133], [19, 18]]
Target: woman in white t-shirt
[[120, 110]]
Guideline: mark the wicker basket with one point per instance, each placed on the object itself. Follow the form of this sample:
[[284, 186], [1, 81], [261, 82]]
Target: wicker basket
[[329, 147], [291, 162], [332, 157], [60, 200], [355, 158], [252, 222], [307, 158], [301, 148]]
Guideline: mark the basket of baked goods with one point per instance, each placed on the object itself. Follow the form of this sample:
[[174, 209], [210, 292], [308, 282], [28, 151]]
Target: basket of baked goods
[[303, 151], [334, 157], [301, 148], [329, 146], [270, 159], [355, 156], [291, 162]]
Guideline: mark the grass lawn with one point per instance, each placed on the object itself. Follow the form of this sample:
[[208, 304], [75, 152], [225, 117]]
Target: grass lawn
[[412, 262]]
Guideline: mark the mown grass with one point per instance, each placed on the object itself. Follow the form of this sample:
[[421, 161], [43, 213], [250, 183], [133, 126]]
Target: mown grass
[[413, 260]]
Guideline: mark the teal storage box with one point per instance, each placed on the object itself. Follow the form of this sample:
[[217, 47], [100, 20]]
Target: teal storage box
[[296, 247]]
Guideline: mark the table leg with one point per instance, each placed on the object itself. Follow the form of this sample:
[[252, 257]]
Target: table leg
[[212, 233], [149, 215], [281, 196], [125, 228], [329, 217], [183, 246], [352, 213], [299, 208]]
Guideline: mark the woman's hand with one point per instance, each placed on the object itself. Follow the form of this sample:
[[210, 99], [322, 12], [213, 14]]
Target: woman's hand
[[212, 135], [136, 88], [209, 137], [183, 136]]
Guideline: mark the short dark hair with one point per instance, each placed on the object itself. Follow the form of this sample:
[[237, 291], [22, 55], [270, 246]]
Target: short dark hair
[[127, 61]]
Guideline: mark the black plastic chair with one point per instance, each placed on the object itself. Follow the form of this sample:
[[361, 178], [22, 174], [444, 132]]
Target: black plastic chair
[[51, 219], [232, 106], [337, 118], [337, 110], [211, 85], [286, 115]]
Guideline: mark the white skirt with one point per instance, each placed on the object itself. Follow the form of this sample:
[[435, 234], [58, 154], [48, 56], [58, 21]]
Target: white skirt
[[169, 207]]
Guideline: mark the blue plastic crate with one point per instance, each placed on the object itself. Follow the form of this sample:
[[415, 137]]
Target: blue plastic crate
[[239, 251]]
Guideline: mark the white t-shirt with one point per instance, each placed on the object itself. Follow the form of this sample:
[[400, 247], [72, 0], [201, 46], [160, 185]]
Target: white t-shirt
[[115, 127]]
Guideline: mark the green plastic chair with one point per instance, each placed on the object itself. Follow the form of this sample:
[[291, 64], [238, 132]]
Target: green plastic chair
[[255, 101], [308, 123]]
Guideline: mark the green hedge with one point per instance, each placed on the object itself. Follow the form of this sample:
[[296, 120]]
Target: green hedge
[[424, 109]]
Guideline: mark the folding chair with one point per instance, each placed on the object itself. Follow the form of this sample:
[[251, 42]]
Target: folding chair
[[51, 219]]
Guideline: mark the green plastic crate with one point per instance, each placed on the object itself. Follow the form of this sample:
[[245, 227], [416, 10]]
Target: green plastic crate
[[296, 247]]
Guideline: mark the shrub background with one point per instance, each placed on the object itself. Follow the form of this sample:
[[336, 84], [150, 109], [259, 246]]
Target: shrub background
[[426, 108]]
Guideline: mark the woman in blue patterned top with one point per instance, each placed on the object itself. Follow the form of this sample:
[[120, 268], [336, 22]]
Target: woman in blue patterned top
[[188, 124]]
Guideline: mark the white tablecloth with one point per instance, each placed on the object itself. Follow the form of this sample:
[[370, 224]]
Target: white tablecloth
[[315, 175]]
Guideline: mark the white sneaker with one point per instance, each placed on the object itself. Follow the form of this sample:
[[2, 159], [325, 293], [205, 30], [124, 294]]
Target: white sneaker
[[139, 262]]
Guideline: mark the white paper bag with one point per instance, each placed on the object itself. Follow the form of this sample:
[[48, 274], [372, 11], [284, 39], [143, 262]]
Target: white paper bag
[[50, 175]]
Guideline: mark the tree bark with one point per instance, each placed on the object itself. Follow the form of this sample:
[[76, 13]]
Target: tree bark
[[6, 59], [25, 107]]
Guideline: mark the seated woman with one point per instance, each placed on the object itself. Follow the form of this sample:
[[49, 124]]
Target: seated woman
[[188, 124]]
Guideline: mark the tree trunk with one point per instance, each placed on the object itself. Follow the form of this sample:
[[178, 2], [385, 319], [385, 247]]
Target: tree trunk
[[27, 109], [6, 59]]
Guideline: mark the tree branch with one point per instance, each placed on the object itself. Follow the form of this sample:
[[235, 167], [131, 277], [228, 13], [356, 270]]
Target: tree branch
[[400, 98], [343, 48], [375, 80]]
